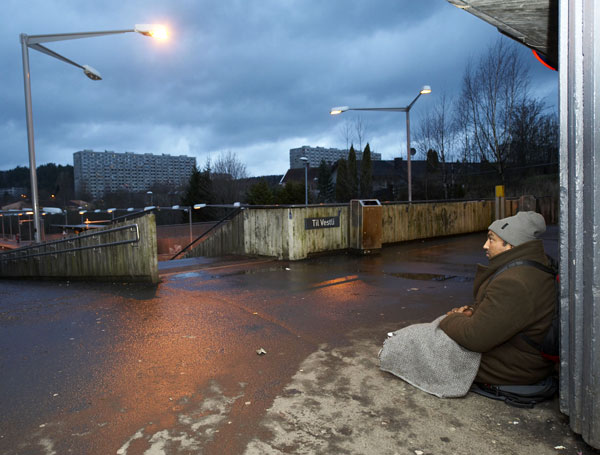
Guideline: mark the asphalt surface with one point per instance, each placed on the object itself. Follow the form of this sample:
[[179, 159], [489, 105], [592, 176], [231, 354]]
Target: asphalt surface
[[88, 368]]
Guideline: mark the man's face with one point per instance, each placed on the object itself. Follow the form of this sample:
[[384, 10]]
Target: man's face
[[495, 245]]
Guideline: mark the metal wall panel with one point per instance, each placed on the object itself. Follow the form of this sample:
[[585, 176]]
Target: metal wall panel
[[579, 57]]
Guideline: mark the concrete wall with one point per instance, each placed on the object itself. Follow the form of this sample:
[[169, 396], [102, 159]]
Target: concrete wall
[[82, 257], [171, 238], [281, 231], [403, 222], [277, 232], [226, 239]]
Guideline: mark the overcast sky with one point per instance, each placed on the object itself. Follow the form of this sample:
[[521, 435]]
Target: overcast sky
[[252, 77]]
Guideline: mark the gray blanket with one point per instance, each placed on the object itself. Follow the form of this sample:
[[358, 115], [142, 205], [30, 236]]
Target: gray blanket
[[424, 356]]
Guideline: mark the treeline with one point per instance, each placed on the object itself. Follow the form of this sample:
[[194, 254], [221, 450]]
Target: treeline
[[495, 121], [351, 183], [55, 182]]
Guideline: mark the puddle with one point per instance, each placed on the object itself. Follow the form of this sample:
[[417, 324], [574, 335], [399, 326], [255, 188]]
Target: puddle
[[258, 270], [431, 277], [189, 275]]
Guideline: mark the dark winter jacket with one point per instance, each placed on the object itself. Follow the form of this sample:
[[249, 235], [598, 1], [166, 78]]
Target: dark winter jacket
[[518, 300]]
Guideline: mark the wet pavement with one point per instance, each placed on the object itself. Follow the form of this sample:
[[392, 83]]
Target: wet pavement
[[88, 368]]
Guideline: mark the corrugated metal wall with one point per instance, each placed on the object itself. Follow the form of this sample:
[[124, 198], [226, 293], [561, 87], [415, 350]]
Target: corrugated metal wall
[[579, 53]]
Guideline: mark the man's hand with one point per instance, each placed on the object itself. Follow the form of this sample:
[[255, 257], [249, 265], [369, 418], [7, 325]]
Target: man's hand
[[466, 310]]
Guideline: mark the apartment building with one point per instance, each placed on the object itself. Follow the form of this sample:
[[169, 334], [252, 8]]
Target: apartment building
[[97, 173], [317, 154]]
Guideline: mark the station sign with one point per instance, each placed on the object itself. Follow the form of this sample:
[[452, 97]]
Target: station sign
[[322, 223]]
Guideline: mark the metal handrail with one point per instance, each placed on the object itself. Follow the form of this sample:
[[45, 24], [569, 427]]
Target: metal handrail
[[217, 224], [18, 254]]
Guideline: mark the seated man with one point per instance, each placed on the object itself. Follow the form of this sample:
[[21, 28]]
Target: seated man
[[519, 300]]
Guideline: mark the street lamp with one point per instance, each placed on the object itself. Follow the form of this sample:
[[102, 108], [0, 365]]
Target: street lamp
[[305, 162], [426, 90], [33, 42], [149, 193]]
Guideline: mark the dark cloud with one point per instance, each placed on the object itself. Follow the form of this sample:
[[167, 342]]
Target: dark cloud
[[256, 78]]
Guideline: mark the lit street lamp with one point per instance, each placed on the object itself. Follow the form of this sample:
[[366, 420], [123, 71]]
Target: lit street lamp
[[33, 42], [426, 90], [305, 162]]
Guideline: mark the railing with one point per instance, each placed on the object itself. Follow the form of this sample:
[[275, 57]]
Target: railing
[[227, 217], [24, 253]]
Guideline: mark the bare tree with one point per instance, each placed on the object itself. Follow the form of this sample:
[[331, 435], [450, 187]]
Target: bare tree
[[549, 137], [437, 133], [465, 150], [228, 174], [346, 129], [355, 129], [526, 132], [229, 164], [360, 129], [492, 90]]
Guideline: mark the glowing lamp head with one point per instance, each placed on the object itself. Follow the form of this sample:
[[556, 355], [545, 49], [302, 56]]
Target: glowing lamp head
[[338, 110], [426, 90], [152, 30], [159, 33]]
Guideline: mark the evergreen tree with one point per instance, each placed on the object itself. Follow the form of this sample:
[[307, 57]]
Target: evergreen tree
[[260, 194], [352, 173], [18, 176], [432, 160], [366, 174], [326, 190], [53, 180], [291, 193], [199, 191], [432, 181], [342, 188]]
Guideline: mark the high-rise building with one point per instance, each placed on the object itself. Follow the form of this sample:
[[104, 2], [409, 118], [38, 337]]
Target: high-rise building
[[97, 173], [317, 154]]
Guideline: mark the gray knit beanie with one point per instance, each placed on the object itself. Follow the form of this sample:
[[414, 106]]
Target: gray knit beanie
[[521, 228]]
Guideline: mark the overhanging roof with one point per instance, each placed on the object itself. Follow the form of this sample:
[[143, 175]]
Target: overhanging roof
[[533, 23]]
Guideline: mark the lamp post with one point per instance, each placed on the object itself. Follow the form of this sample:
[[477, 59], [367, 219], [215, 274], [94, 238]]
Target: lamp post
[[149, 193], [29, 224], [195, 207], [426, 90], [19, 227], [305, 162], [33, 42]]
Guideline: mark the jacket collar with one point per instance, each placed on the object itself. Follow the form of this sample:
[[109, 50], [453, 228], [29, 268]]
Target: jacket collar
[[534, 250]]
